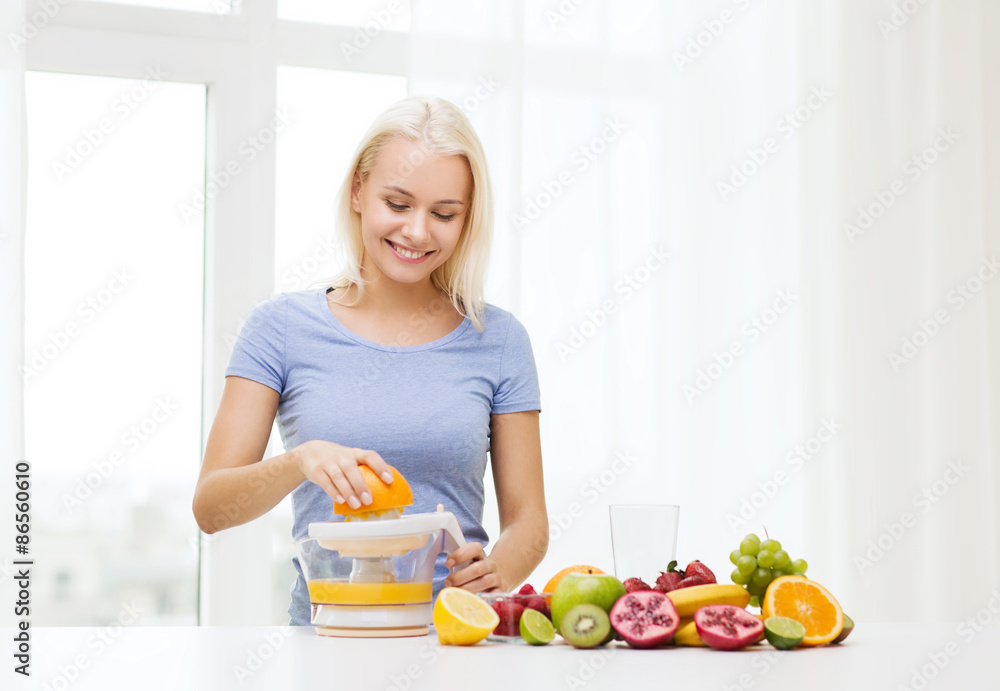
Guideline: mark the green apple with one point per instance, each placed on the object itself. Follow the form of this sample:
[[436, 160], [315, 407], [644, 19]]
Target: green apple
[[574, 589]]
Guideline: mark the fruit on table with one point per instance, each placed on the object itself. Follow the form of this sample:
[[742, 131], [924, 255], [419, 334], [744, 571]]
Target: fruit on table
[[509, 611], [687, 634], [783, 633], [586, 626], [539, 603], [758, 563], [461, 618], [808, 603], [385, 497], [633, 584], [574, 589], [846, 631], [690, 600], [645, 619], [696, 573], [553, 583], [727, 627], [536, 629]]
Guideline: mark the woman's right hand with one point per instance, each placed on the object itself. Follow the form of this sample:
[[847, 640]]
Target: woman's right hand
[[335, 468]]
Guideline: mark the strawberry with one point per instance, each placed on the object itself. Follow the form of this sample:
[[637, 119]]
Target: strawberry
[[697, 569], [667, 581], [633, 584], [526, 589], [539, 604], [509, 611]]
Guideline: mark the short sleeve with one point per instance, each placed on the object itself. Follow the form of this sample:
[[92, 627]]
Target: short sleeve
[[259, 352], [517, 390]]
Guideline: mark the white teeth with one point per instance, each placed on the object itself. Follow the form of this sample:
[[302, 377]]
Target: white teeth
[[407, 253]]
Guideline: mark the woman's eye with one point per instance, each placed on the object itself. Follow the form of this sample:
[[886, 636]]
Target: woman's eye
[[394, 207], [445, 218]]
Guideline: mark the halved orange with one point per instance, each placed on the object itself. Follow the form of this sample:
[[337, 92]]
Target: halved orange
[[808, 603], [384, 496], [550, 587]]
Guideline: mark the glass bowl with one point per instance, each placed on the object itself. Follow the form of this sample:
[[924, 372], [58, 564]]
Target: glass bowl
[[509, 607]]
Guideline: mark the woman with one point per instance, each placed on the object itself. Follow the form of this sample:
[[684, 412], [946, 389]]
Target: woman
[[400, 362]]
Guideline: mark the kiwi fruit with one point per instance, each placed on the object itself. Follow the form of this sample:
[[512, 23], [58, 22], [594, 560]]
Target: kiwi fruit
[[585, 626]]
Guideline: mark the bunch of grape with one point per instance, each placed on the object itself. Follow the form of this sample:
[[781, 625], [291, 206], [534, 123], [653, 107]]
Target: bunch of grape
[[758, 563]]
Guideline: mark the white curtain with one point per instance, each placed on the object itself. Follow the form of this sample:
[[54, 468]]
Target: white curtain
[[747, 375], [12, 202]]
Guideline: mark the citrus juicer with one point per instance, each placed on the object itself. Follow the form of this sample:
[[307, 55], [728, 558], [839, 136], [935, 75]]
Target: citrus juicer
[[371, 575]]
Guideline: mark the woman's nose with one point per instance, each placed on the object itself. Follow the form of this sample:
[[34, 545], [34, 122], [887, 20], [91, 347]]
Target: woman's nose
[[416, 228]]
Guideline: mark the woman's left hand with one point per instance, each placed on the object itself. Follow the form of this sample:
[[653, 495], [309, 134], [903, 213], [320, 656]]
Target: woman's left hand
[[480, 575]]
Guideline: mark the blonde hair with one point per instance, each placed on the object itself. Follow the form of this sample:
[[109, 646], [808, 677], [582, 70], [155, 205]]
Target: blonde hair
[[444, 130]]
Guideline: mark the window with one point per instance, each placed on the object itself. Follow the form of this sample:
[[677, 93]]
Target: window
[[113, 334]]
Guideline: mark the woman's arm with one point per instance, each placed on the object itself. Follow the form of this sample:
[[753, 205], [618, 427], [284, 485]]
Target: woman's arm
[[516, 456], [235, 486]]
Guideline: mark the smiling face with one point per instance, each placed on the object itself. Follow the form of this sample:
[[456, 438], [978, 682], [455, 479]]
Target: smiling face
[[413, 207]]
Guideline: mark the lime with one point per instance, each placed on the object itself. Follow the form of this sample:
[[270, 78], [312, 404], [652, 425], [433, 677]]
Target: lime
[[536, 628], [783, 633]]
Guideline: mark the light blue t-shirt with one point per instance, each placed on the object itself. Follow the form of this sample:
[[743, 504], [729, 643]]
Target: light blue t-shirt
[[425, 409]]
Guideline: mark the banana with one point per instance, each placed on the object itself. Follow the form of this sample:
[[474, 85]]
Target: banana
[[687, 634], [688, 600]]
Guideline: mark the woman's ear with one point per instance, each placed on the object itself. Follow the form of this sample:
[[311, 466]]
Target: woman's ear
[[356, 193]]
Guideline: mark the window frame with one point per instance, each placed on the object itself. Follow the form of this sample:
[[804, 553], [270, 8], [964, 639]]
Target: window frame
[[236, 56]]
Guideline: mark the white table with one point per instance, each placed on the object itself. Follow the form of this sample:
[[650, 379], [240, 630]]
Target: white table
[[876, 656]]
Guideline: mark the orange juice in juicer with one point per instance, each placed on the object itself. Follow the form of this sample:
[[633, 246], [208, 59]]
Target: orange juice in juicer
[[370, 575]]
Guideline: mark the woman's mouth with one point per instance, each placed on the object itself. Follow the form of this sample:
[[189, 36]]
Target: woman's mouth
[[408, 256]]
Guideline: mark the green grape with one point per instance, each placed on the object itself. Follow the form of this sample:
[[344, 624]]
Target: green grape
[[770, 545], [761, 577], [755, 590], [746, 565], [754, 601], [775, 573], [765, 558], [735, 555], [799, 566], [750, 545], [788, 570], [739, 578], [781, 559]]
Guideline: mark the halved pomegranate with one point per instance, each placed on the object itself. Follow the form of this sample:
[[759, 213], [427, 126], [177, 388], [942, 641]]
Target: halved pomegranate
[[727, 627], [645, 618]]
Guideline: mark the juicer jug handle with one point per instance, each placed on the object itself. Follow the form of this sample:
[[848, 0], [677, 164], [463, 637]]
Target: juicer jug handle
[[453, 537]]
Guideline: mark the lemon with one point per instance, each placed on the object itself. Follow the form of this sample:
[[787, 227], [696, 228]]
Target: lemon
[[461, 618]]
